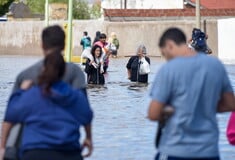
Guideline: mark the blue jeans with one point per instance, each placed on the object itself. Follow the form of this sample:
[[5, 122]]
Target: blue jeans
[[164, 157]]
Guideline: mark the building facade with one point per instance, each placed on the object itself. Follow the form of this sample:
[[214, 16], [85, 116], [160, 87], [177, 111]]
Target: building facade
[[142, 4]]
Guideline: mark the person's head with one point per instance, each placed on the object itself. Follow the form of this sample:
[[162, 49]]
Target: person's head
[[103, 37], [141, 50], [113, 35], [96, 51], [53, 71], [98, 34], [53, 38], [172, 43], [85, 33]]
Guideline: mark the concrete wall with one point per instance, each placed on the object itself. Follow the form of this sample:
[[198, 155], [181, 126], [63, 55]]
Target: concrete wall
[[24, 37], [132, 34], [226, 34]]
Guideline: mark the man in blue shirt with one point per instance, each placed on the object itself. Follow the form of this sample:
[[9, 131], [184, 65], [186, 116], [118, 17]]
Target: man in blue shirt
[[197, 87]]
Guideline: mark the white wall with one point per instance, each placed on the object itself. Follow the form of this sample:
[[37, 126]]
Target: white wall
[[226, 39], [143, 4]]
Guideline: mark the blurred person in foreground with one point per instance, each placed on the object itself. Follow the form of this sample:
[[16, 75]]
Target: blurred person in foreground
[[53, 38], [52, 113], [196, 86]]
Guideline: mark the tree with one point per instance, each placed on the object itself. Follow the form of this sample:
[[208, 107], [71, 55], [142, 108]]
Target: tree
[[96, 10], [4, 6], [81, 9], [38, 6]]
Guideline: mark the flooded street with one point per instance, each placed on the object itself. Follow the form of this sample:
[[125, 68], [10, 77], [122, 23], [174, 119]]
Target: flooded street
[[121, 130]]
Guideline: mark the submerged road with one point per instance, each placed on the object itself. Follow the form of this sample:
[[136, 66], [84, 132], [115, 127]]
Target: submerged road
[[121, 130]]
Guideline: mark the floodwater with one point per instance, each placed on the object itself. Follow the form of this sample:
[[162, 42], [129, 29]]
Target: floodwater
[[121, 130]]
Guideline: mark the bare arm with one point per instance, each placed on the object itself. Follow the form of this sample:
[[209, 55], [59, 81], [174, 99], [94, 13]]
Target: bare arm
[[226, 103], [155, 110], [88, 141], [88, 131], [6, 127], [129, 73]]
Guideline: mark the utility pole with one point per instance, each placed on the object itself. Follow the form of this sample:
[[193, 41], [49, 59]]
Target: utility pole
[[125, 4], [198, 16], [47, 13], [70, 30]]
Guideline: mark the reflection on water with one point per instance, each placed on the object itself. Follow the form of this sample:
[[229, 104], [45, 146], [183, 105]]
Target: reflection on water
[[121, 130]]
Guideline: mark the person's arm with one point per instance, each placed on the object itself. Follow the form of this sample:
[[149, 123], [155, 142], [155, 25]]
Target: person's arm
[[128, 66], [88, 143], [155, 110], [84, 115], [227, 100], [226, 103], [81, 42], [7, 126], [160, 95], [129, 73]]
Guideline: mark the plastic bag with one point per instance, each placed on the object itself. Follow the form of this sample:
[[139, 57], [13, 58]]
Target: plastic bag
[[144, 67]]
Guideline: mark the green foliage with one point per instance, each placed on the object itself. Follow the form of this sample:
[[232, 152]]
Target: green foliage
[[4, 6], [96, 11], [81, 9], [2, 2], [38, 6]]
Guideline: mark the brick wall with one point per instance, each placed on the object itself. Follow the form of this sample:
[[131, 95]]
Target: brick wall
[[188, 12]]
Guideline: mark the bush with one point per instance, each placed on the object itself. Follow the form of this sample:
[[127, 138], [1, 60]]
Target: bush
[[4, 6]]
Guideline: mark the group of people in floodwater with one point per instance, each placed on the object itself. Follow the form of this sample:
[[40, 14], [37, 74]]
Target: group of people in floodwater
[[49, 100], [98, 56]]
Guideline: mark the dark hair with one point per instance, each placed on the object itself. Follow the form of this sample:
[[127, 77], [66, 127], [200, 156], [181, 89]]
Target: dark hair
[[98, 34], [103, 36], [85, 33], [93, 51], [53, 37], [54, 69], [174, 34]]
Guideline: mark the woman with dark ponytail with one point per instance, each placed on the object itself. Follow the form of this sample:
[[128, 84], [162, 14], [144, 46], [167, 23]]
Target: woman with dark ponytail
[[52, 113], [54, 69]]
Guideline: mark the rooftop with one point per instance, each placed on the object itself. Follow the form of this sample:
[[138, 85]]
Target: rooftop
[[215, 4]]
